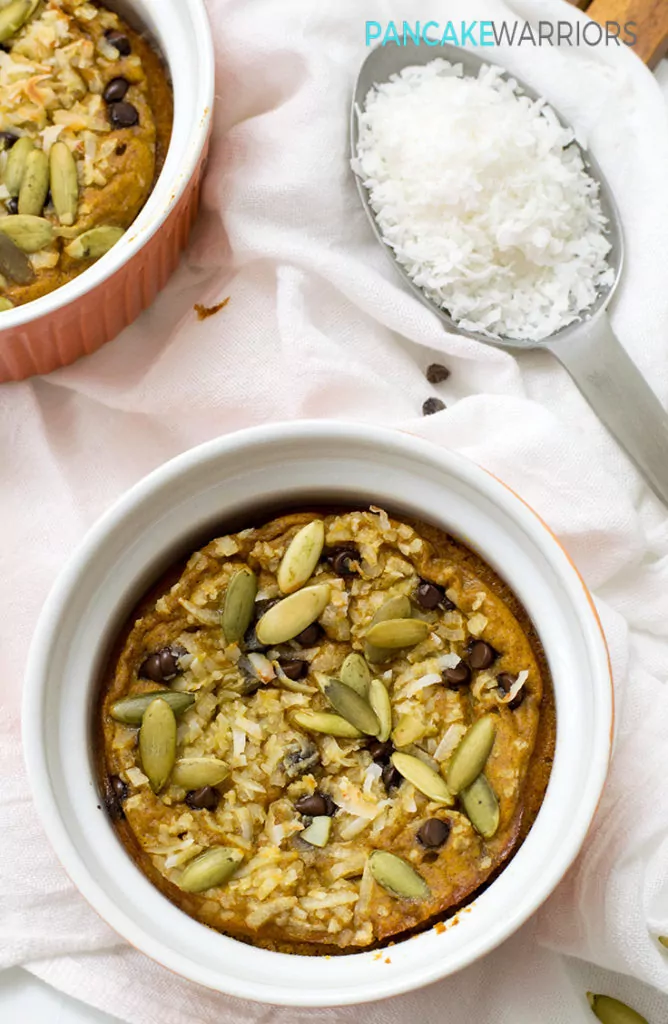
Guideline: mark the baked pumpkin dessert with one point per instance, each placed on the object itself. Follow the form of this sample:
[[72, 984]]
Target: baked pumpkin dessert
[[326, 731], [85, 121]]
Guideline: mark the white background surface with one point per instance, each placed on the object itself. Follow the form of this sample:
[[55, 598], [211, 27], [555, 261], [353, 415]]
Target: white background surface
[[25, 1000]]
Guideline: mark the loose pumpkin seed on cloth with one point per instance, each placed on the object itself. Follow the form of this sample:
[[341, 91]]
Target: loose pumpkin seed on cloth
[[267, 733]]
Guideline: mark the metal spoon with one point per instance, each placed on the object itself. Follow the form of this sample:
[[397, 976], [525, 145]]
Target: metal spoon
[[589, 350]]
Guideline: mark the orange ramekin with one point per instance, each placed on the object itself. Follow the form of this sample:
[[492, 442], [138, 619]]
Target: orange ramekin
[[78, 318]]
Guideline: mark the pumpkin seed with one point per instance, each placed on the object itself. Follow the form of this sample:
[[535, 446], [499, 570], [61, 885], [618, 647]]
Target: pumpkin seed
[[395, 633], [285, 620], [377, 655], [329, 725], [355, 673], [351, 706], [397, 876], [481, 807], [663, 939], [407, 730], [35, 184], [394, 608], [317, 833], [301, 557], [195, 772], [64, 183], [239, 605], [5, 304], [379, 699], [423, 778], [470, 756], [423, 756], [94, 243], [612, 1011], [157, 742], [130, 710], [27, 232], [14, 264], [212, 868], [13, 17], [16, 164]]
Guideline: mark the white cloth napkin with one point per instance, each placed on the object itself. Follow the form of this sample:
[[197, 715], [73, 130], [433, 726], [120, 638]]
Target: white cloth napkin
[[319, 325]]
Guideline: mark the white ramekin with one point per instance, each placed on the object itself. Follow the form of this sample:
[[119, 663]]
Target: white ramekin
[[188, 500], [90, 310]]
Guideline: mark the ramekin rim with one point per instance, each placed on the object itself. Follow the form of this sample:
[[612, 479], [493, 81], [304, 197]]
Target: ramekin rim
[[47, 804]]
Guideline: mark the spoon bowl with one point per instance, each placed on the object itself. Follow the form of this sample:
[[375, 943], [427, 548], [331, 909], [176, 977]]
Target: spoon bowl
[[587, 348]]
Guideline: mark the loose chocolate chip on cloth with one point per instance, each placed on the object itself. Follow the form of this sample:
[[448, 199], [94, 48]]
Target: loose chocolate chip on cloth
[[437, 373], [432, 405]]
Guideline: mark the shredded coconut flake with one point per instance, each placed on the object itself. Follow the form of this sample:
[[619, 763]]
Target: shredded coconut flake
[[430, 679], [450, 740], [485, 202]]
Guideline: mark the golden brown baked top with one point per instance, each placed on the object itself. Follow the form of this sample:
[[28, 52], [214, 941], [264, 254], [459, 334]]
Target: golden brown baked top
[[85, 121], [343, 750]]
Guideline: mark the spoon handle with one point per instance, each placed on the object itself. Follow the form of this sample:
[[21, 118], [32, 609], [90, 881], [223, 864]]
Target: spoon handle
[[620, 395]]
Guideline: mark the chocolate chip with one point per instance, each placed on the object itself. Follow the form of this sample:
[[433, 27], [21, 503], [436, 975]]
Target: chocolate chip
[[115, 90], [123, 115], [7, 140], [428, 595], [341, 561], [294, 669], [381, 752], [316, 806], [119, 787], [119, 40], [162, 666], [309, 636], [204, 799], [434, 832], [506, 681], [432, 405], [458, 676], [264, 605], [12, 206], [481, 654], [437, 373], [116, 791], [392, 779], [121, 149]]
